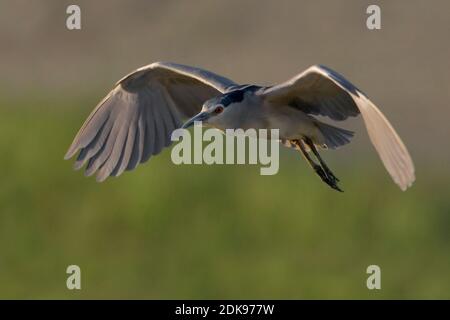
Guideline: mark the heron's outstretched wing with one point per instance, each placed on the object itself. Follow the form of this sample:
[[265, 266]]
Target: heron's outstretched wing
[[322, 91], [135, 120]]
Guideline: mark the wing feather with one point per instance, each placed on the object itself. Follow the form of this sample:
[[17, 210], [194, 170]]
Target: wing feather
[[127, 150], [135, 120], [322, 91]]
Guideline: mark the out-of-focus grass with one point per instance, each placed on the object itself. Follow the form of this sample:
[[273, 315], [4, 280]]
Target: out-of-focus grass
[[166, 231]]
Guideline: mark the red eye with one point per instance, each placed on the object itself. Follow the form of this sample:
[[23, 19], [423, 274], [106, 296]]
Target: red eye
[[218, 109]]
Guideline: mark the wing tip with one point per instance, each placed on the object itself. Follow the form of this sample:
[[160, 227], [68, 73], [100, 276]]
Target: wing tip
[[405, 186], [409, 182], [70, 152], [101, 176], [78, 165]]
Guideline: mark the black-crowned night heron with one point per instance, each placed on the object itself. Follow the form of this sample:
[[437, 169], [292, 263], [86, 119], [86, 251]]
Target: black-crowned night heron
[[135, 120]]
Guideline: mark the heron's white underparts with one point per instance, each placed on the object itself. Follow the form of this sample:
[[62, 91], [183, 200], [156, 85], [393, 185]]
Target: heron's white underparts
[[135, 120]]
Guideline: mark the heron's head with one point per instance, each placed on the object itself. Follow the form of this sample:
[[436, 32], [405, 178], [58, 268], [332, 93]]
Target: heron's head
[[217, 111]]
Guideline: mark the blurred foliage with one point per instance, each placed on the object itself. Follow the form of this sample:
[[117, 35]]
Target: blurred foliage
[[166, 231]]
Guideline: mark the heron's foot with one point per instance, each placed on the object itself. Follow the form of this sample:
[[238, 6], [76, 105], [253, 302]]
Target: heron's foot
[[328, 177], [330, 174], [320, 172]]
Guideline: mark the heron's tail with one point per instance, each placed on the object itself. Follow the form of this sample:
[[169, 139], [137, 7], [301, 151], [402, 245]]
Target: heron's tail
[[333, 137]]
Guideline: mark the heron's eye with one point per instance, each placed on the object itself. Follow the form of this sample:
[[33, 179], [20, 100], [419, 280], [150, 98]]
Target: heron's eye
[[218, 110]]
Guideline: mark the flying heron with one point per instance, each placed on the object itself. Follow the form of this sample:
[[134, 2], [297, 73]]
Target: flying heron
[[135, 120]]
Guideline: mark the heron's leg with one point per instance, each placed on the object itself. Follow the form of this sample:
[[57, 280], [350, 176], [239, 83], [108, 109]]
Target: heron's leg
[[322, 163], [317, 168]]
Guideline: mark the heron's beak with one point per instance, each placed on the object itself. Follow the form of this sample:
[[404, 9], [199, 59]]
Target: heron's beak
[[202, 116]]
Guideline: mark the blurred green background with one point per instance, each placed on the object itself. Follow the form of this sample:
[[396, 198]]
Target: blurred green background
[[170, 232]]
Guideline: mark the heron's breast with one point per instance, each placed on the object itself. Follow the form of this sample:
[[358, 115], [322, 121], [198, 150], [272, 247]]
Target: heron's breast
[[291, 122]]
